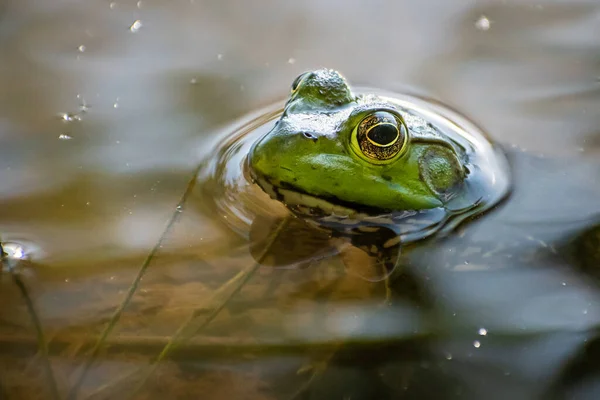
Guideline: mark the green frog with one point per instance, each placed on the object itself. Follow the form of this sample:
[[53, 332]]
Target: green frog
[[377, 170]]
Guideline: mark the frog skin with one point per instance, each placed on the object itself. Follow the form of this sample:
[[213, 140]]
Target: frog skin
[[371, 171], [337, 153]]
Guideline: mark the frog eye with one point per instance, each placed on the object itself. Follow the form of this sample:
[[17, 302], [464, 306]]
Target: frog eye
[[298, 81], [380, 137]]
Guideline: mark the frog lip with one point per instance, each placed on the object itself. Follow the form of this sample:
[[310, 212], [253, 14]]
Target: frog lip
[[301, 202]]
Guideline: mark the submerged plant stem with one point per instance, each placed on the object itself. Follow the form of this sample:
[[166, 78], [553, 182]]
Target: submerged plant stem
[[41, 339], [133, 288], [191, 327], [195, 323]]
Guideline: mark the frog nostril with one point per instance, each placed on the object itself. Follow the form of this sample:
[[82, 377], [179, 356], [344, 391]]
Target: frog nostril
[[309, 136]]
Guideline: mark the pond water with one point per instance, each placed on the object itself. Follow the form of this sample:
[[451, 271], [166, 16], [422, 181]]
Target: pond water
[[120, 283]]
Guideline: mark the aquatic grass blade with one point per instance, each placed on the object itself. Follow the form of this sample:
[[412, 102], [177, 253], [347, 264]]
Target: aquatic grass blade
[[41, 339], [72, 395]]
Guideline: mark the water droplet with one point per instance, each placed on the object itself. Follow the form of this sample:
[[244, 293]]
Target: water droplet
[[64, 136], [137, 24], [476, 344], [564, 283], [193, 81], [292, 61], [179, 208], [219, 57], [585, 311], [116, 105], [482, 331], [113, 5], [139, 4], [81, 48], [448, 356], [88, 203], [483, 23], [69, 117]]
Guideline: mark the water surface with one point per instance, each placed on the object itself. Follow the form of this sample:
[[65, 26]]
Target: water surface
[[103, 121]]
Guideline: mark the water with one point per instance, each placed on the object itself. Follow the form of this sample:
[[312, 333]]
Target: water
[[144, 103]]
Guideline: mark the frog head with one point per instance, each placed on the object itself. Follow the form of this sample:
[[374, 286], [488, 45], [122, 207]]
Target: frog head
[[334, 151]]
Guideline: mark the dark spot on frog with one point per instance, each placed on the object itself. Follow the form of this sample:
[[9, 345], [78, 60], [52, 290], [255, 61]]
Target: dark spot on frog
[[309, 136], [387, 177]]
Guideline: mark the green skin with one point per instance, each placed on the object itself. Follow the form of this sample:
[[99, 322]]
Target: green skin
[[311, 151]]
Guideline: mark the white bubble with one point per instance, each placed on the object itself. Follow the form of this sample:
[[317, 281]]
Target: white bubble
[[219, 57], [64, 136], [477, 344], [81, 48], [137, 24], [292, 61], [483, 23], [482, 331]]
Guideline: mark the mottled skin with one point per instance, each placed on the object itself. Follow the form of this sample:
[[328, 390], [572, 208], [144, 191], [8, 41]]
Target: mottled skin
[[314, 150]]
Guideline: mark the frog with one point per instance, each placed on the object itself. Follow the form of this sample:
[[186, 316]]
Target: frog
[[376, 171]]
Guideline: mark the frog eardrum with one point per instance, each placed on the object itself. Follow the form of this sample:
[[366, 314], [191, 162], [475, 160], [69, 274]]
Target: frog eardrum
[[380, 137]]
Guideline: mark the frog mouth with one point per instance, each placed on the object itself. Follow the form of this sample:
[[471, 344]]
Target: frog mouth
[[301, 202]]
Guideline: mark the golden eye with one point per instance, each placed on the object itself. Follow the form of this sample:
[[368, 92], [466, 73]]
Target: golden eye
[[298, 81], [380, 136]]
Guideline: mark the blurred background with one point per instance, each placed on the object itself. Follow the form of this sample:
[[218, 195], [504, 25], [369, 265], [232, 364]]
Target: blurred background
[[106, 109]]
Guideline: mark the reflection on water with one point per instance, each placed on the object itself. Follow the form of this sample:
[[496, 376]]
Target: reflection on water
[[89, 210]]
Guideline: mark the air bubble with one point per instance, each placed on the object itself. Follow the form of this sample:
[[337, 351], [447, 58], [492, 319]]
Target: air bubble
[[483, 23], [137, 24]]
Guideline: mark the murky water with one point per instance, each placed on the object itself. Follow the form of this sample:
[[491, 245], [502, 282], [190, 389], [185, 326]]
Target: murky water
[[103, 121]]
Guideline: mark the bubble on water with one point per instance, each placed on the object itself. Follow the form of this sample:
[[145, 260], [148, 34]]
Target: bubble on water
[[137, 24], [291, 61], [482, 331], [477, 344], [139, 4], [219, 57], [448, 356], [483, 23], [81, 48], [64, 136], [14, 251], [113, 5], [69, 117], [193, 81]]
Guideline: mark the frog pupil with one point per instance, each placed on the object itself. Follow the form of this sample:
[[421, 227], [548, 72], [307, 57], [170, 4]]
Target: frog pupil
[[383, 134]]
